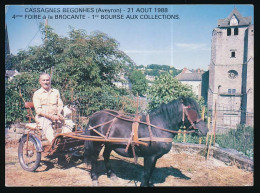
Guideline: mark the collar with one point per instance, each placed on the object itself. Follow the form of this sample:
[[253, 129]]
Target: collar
[[42, 90]]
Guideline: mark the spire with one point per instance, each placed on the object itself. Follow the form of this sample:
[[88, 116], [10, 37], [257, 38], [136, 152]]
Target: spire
[[242, 21]]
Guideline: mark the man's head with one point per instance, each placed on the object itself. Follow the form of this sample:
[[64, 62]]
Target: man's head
[[45, 81]]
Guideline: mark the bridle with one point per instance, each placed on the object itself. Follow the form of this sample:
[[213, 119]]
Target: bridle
[[191, 115]]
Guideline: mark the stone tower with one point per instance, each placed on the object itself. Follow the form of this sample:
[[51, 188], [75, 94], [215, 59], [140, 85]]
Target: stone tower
[[231, 70]]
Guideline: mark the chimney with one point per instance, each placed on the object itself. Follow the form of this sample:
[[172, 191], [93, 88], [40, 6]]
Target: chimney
[[184, 70]]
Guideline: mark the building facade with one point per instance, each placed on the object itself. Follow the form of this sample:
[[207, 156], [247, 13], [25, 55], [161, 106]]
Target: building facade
[[192, 78], [231, 71]]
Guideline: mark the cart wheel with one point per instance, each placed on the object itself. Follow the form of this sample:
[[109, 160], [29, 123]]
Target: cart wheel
[[29, 159]]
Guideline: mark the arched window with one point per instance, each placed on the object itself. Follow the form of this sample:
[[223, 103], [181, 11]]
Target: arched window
[[236, 31], [229, 32], [232, 74]]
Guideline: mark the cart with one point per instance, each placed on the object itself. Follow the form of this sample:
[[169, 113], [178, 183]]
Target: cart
[[32, 146]]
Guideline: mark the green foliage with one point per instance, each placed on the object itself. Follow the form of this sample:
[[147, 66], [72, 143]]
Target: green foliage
[[165, 89], [87, 63], [190, 138], [14, 111], [241, 139], [10, 62], [159, 67], [139, 82], [157, 70]]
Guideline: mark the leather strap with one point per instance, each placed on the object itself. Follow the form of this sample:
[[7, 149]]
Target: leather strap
[[135, 126], [149, 126], [108, 130]]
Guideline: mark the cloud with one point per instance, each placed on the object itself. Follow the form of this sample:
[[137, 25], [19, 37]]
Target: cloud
[[192, 46]]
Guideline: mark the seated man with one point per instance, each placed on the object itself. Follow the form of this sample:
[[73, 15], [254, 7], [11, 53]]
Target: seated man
[[48, 106]]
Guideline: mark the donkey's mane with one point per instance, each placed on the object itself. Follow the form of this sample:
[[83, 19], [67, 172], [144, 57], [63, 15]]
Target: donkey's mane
[[172, 110], [166, 109]]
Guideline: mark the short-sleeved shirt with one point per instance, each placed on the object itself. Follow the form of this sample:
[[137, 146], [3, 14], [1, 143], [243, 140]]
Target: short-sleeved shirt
[[47, 101]]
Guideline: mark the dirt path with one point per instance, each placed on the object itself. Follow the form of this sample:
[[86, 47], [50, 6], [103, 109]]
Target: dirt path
[[171, 170]]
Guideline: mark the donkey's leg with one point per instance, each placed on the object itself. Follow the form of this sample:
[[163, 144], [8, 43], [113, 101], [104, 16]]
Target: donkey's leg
[[106, 155], [149, 165], [94, 163]]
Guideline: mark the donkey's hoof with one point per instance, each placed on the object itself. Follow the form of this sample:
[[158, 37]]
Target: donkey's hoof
[[151, 185], [94, 183], [113, 177]]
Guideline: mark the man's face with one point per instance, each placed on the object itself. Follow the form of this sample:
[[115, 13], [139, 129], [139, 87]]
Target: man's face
[[45, 82]]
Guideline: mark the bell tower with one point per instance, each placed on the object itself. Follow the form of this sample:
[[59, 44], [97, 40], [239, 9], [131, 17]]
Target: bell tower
[[231, 67]]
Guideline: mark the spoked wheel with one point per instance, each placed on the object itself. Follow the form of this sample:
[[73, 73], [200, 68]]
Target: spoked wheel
[[28, 156]]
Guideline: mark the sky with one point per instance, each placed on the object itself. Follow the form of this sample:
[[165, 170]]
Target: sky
[[181, 42]]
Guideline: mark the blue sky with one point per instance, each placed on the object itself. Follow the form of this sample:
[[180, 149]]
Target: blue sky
[[184, 42]]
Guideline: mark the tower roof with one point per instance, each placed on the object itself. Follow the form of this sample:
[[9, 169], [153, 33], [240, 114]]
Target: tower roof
[[241, 20]]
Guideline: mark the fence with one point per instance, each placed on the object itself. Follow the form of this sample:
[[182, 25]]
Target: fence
[[227, 118], [226, 131]]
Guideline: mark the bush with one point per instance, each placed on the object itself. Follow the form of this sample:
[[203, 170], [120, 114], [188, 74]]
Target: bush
[[14, 106], [240, 139], [190, 138]]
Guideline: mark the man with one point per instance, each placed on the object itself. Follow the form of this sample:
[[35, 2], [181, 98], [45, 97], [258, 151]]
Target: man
[[48, 106]]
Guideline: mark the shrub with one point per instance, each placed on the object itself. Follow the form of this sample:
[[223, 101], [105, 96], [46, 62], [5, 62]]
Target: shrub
[[240, 139]]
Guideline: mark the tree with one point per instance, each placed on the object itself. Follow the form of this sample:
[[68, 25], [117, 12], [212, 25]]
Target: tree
[[157, 70], [86, 63], [165, 89], [139, 83]]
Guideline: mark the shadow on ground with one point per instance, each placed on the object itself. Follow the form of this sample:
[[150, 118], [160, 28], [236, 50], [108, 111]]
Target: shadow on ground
[[123, 169], [131, 172]]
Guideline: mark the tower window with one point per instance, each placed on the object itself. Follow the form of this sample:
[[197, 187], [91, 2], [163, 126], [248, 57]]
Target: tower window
[[231, 91], [236, 31], [233, 54], [232, 74], [228, 32]]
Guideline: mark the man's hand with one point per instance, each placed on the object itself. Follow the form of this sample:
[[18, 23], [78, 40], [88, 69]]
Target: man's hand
[[55, 118], [60, 116]]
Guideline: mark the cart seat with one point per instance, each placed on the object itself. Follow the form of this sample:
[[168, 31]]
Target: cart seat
[[31, 125]]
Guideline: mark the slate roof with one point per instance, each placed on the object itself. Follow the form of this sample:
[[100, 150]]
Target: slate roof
[[194, 76], [241, 20]]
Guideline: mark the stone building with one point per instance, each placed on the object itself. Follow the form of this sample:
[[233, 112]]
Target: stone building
[[192, 78], [123, 82], [231, 71]]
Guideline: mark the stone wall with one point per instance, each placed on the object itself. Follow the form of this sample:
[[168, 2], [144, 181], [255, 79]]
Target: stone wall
[[228, 156]]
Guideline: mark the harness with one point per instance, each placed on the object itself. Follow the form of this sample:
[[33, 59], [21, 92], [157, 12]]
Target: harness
[[191, 115], [134, 139]]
